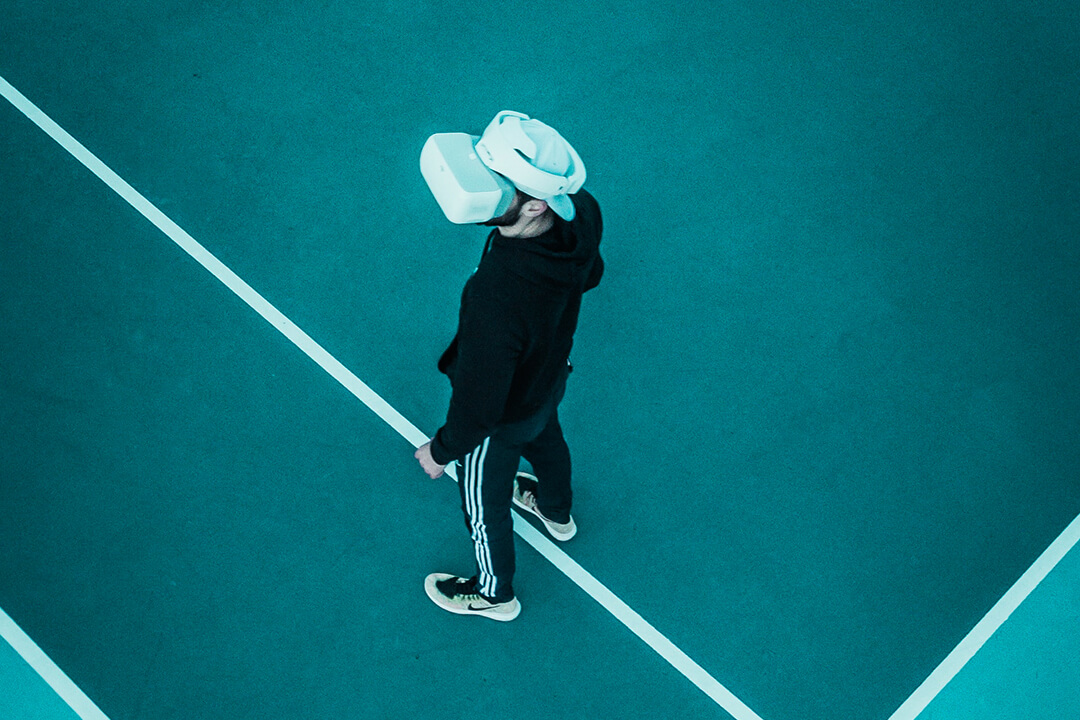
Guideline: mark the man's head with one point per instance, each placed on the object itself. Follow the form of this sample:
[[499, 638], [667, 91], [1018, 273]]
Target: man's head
[[526, 217], [521, 206], [512, 138], [479, 179]]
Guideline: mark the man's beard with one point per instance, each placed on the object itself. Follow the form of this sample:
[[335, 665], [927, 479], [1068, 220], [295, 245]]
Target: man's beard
[[508, 218], [504, 220]]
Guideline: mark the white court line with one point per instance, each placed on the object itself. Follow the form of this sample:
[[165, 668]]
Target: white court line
[[61, 684], [664, 647], [986, 627]]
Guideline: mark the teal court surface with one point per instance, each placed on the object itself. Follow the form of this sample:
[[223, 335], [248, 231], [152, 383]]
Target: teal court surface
[[826, 402]]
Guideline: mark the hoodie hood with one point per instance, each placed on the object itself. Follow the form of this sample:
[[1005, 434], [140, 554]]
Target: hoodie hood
[[560, 259]]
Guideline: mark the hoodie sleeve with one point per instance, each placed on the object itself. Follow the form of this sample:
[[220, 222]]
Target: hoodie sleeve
[[487, 350], [595, 273], [593, 227]]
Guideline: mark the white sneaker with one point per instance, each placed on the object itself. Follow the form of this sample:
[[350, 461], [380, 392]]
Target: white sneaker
[[461, 597], [525, 498]]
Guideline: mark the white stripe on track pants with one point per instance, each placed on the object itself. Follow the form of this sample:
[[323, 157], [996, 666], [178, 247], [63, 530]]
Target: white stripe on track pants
[[487, 489]]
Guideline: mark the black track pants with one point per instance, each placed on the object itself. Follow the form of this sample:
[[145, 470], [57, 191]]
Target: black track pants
[[487, 489]]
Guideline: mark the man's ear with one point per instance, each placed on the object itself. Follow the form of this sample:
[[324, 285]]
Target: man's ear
[[534, 208]]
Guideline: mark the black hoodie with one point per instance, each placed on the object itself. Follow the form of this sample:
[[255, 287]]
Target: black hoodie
[[516, 326]]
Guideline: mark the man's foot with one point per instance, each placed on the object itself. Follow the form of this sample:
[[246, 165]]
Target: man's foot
[[460, 596], [525, 498]]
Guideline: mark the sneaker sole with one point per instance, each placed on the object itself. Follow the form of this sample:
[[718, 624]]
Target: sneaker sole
[[560, 536], [437, 598]]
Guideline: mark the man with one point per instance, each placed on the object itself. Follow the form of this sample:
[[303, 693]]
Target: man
[[509, 361]]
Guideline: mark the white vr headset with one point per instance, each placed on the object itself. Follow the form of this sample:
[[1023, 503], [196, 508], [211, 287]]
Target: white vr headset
[[474, 178]]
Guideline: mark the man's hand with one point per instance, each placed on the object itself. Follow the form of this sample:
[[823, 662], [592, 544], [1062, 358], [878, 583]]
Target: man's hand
[[432, 468]]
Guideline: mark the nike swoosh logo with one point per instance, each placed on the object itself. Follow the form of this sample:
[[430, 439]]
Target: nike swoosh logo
[[482, 607]]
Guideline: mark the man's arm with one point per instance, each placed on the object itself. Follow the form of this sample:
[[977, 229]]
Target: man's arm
[[595, 273], [488, 348]]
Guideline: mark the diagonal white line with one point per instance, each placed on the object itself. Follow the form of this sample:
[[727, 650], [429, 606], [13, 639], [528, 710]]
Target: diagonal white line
[[986, 627], [61, 684], [626, 615], [218, 269], [638, 625]]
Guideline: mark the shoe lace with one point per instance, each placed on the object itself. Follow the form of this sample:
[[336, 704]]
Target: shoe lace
[[467, 587]]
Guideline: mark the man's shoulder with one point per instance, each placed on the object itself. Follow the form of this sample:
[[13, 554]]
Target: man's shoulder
[[584, 200]]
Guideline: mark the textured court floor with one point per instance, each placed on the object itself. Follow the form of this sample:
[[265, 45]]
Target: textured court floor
[[826, 401]]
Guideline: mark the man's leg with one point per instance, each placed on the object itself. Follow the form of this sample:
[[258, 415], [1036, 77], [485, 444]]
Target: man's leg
[[487, 487], [550, 458]]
